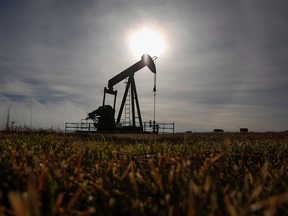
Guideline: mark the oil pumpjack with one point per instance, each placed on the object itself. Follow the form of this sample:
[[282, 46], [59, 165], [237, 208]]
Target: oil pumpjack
[[103, 117]]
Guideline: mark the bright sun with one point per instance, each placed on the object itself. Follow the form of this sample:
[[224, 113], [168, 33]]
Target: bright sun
[[147, 41]]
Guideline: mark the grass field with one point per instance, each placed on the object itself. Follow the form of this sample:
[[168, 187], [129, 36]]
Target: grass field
[[49, 173]]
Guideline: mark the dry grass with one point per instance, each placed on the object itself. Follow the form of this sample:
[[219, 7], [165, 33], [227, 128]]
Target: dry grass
[[46, 173]]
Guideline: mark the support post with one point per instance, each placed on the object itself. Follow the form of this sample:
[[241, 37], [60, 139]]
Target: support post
[[133, 107], [133, 87]]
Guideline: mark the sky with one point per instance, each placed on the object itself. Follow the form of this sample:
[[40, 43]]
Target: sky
[[224, 63]]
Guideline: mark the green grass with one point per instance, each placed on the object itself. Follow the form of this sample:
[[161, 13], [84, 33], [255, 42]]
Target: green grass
[[49, 173]]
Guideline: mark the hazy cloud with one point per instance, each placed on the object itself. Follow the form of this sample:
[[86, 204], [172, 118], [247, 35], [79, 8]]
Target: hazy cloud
[[225, 63]]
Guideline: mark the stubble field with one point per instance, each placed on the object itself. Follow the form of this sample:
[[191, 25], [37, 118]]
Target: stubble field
[[49, 173]]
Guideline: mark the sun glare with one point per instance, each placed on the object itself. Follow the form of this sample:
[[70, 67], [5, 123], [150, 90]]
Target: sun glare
[[147, 41]]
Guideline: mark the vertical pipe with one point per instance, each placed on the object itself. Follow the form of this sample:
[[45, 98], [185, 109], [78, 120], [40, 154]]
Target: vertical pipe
[[154, 90]]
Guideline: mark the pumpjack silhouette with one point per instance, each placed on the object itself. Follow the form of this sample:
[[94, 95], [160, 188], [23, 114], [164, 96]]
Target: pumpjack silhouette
[[103, 117]]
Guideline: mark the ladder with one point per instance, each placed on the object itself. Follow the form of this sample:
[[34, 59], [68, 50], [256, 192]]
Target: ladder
[[127, 121]]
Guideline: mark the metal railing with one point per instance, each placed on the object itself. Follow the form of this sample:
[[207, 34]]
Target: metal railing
[[84, 125], [88, 126], [161, 127]]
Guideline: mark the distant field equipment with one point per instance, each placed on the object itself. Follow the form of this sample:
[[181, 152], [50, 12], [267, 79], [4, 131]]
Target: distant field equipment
[[244, 130], [218, 131]]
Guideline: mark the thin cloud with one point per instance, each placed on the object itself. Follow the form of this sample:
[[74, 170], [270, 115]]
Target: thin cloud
[[224, 63]]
